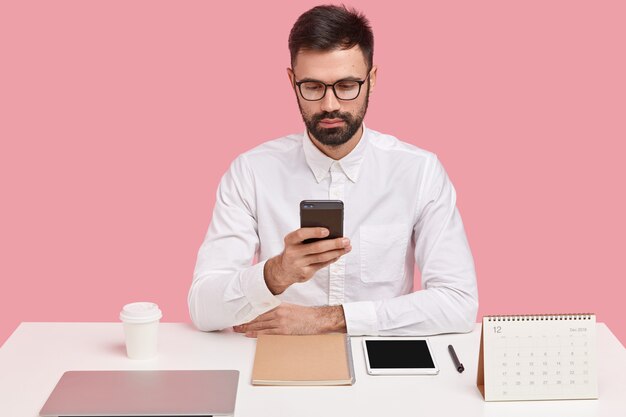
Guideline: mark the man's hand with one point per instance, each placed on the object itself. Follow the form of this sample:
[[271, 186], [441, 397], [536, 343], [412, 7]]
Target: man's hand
[[296, 319], [300, 261]]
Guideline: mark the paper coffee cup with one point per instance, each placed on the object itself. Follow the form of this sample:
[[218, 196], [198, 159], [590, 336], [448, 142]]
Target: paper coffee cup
[[141, 321]]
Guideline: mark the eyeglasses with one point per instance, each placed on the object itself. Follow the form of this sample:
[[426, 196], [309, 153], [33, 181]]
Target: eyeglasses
[[343, 89]]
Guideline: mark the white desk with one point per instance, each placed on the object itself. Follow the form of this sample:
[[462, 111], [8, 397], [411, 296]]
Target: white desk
[[33, 359]]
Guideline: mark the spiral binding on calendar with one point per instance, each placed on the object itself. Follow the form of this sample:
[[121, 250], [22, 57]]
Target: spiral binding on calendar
[[541, 317]]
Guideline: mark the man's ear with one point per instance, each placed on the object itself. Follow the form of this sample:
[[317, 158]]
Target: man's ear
[[292, 77], [373, 78]]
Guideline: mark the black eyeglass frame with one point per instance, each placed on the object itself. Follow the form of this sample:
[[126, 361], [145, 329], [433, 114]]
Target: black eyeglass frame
[[359, 82]]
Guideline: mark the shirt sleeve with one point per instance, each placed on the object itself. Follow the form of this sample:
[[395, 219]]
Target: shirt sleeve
[[448, 300], [227, 289]]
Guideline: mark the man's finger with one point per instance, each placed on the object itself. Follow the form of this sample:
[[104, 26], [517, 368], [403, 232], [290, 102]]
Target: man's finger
[[267, 331], [262, 325], [323, 264], [325, 245], [316, 267], [297, 236], [324, 257], [263, 318]]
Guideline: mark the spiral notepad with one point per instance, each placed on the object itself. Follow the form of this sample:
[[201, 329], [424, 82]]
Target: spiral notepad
[[538, 357]]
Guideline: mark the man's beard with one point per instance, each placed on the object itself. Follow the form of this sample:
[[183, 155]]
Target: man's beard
[[335, 136]]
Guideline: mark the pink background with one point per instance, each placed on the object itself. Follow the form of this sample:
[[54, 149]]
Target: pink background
[[118, 118]]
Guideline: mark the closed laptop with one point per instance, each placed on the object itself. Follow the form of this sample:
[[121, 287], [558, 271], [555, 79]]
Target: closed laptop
[[143, 393]]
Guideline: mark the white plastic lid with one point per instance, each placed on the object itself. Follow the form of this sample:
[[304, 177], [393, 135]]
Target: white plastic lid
[[142, 312]]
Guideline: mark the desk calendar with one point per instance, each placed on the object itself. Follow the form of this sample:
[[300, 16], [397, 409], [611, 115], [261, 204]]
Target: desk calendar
[[538, 357]]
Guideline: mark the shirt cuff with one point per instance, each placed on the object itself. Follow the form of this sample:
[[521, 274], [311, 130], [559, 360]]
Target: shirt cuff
[[255, 289], [361, 318]]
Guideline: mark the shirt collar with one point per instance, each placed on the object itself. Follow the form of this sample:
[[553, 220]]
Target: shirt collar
[[320, 163]]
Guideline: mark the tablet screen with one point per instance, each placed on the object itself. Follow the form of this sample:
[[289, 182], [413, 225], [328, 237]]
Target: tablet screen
[[398, 354]]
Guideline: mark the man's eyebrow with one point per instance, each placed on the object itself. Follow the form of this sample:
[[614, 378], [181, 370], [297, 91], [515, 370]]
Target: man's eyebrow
[[350, 78]]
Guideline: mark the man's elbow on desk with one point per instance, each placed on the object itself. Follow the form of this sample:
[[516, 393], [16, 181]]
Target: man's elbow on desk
[[215, 315], [466, 321], [458, 307], [450, 312], [207, 322], [203, 317], [200, 320], [468, 325]]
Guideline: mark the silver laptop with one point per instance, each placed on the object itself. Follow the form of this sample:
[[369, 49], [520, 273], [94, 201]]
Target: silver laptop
[[143, 393]]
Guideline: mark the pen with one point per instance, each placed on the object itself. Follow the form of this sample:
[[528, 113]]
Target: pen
[[455, 359]]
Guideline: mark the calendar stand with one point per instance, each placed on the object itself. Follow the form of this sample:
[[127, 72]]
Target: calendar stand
[[480, 377]]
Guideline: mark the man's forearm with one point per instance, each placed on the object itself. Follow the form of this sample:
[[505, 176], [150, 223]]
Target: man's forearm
[[331, 319]]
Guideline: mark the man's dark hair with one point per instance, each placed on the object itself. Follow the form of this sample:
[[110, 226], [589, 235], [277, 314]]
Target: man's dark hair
[[329, 27]]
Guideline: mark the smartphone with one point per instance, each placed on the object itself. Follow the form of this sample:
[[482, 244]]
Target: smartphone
[[322, 213]]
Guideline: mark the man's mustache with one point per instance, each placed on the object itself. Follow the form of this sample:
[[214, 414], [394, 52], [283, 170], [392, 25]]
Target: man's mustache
[[332, 115]]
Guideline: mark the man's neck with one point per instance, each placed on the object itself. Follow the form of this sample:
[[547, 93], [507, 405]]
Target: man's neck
[[338, 152]]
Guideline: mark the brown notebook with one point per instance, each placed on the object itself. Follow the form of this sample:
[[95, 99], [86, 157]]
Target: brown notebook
[[303, 360]]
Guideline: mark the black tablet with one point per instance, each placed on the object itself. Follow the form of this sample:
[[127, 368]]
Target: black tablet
[[399, 356]]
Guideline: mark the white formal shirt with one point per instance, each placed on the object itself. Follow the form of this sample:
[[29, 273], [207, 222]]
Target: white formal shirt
[[399, 211]]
